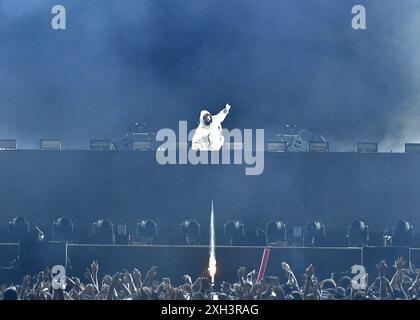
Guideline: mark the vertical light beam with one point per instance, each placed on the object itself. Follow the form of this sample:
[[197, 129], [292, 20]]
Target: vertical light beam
[[212, 259]]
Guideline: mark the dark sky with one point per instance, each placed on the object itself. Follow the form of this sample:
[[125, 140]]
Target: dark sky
[[160, 61]]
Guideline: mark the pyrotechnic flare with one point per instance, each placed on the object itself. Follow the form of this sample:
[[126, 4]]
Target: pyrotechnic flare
[[212, 259]]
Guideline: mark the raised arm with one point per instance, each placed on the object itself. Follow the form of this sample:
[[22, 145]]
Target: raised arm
[[397, 278], [292, 279], [308, 281], [220, 117], [384, 286]]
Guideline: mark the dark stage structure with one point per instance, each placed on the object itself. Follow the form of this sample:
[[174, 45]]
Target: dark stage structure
[[129, 186]]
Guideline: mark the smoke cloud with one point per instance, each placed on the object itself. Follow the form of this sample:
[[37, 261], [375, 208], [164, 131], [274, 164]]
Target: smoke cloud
[[276, 62]]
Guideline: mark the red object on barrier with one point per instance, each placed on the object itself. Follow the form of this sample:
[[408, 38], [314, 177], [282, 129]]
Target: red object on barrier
[[263, 265]]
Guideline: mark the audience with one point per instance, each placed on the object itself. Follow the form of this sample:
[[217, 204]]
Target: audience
[[404, 285]]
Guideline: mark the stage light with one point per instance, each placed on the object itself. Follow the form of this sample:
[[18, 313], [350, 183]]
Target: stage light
[[233, 231], [8, 144], [367, 147], [387, 237], [314, 234], [319, 146], [146, 231], [50, 144], [11, 293], [100, 144], [403, 234], [63, 229], [191, 230], [103, 232], [358, 234], [19, 229], [275, 232], [412, 148]]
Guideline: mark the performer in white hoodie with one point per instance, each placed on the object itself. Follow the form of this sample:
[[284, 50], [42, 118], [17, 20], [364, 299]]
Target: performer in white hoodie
[[208, 135]]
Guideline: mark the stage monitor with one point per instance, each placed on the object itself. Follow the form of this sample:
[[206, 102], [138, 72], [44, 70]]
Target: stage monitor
[[8, 144], [367, 147], [141, 141], [100, 144], [319, 147], [276, 146], [412, 148], [50, 144]]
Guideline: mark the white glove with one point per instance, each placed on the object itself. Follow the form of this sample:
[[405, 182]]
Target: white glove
[[228, 106]]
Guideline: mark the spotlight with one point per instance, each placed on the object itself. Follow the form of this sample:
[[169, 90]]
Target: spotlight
[[387, 237], [63, 229], [103, 232], [191, 230], [19, 229], [146, 231], [314, 234], [233, 231], [358, 234], [403, 234], [275, 232]]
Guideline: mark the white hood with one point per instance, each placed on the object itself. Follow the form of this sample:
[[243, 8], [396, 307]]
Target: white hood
[[202, 113]]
